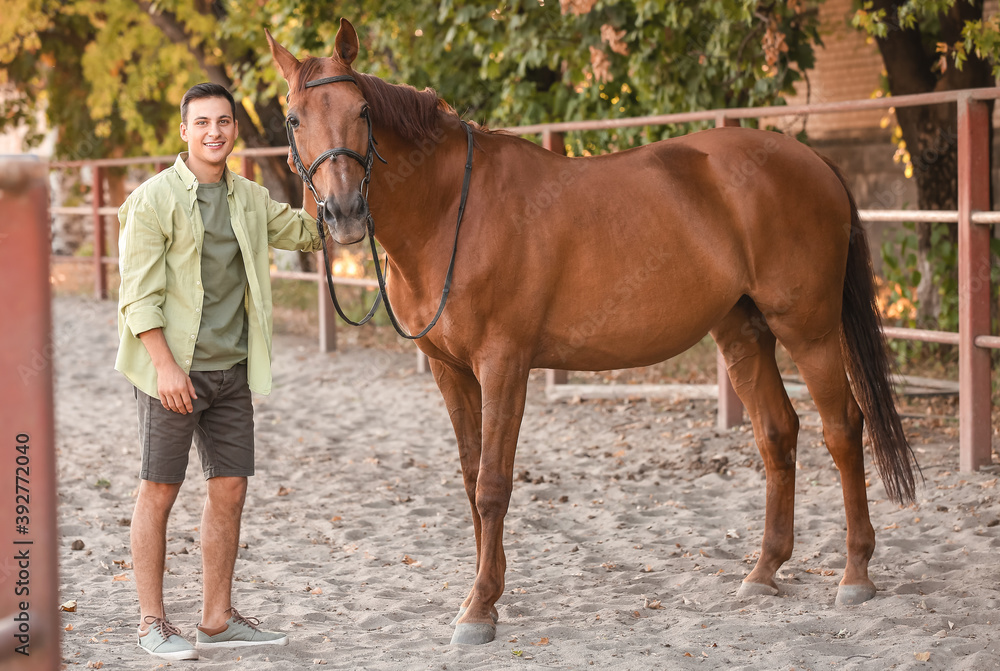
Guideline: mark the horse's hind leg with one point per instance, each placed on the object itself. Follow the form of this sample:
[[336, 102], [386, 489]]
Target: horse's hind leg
[[464, 400], [747, 345], [819, 358]]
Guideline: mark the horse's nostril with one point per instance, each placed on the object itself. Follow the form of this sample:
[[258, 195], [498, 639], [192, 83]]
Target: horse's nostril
[[331, 212]]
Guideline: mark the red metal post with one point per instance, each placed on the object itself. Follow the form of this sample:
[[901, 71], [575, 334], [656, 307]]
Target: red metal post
[[100, 246], [973, 285], [327, 313], [29, 582], [730, 405], [247, 167], [555, 142]]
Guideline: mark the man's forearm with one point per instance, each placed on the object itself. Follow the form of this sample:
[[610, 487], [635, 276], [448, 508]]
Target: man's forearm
[[159, 351]]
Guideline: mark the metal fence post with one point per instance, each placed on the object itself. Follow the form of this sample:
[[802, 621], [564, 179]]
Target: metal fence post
[[327, 313], [730, 405], [29, 582], [97, 196], [247, 167], [973, 285]]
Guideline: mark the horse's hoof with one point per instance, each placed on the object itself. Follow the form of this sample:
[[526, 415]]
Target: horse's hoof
[[851, 595], [751, 589], [461, 611], [473, 633]]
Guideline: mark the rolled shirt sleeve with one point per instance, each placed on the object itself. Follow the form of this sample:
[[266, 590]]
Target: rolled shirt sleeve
[[291, 228], [142, 264]]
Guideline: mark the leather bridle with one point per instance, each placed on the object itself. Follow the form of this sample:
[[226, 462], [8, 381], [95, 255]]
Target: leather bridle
[[366, 162]]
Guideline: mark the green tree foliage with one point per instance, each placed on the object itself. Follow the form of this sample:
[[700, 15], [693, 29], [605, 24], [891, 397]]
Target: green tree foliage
[[108, 82], [533, 61], [113, 72]]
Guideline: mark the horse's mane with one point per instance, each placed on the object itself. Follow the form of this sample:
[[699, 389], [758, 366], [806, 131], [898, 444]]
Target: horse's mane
[[411, 113]]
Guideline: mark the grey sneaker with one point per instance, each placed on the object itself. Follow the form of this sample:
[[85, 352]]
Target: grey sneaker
[[241, 631], [164, 640]]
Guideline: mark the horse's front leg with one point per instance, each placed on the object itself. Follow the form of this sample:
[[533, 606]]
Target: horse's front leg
[[463, 397], [504, 385]]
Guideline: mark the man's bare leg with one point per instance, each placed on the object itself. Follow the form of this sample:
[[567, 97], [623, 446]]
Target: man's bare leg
[[149, 544], [220, 538]]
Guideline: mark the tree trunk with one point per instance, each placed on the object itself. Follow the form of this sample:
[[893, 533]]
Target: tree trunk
[[930, 132]]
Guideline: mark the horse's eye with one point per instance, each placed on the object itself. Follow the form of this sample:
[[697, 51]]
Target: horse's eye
[[293, 121], [364, 113]]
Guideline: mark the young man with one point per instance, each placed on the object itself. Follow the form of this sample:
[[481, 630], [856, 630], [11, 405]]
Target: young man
[[195, 326]]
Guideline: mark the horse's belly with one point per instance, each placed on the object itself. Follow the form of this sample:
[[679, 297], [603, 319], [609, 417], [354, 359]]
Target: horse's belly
[[639, 336]]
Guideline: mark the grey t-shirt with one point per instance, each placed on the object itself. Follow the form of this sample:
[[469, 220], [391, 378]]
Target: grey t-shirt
[[222, 337]]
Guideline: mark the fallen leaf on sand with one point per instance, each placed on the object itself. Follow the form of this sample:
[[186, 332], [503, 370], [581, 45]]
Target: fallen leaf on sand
[[318, 590], [336, 518], [68, 627], [609, 565], [284, 491], [410, 561], [542, 641], [69, 607], [688, 654], [653, 604], [121, 578], [922, 656], [95, 665]]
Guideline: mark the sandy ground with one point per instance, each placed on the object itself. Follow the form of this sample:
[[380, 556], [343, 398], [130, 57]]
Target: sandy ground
[[630, 528]]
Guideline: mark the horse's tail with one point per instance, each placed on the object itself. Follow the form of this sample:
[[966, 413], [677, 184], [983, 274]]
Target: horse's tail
[[868, 365]]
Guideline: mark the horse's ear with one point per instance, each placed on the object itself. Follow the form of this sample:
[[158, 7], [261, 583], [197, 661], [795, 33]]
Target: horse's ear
[[283, 59], [346, 44]]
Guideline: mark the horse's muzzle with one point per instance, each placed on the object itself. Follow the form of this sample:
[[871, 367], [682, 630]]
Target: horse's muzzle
[[346, 217]]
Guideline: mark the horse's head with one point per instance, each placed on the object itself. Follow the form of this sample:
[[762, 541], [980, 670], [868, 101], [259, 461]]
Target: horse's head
[[328, 119]]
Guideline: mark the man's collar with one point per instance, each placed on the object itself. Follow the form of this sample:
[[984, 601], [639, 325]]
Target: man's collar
[[190, 181]]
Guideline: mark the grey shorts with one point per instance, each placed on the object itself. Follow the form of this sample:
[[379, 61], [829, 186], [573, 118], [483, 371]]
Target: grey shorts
[[221, 427]]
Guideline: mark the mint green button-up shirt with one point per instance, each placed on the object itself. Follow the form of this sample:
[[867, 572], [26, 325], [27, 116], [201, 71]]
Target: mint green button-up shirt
[[160, 262]]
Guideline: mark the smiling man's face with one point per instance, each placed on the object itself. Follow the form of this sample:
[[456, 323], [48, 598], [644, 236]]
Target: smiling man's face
[[210, 132]]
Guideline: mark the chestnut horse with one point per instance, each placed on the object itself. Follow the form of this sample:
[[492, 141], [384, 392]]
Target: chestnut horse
[[608, 262]]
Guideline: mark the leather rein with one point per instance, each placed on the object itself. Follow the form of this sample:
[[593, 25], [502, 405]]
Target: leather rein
[[366, 162]]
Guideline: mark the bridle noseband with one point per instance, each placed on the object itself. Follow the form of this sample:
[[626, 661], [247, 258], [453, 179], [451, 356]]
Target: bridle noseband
[[366, 162]]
